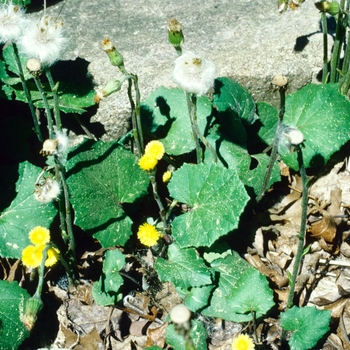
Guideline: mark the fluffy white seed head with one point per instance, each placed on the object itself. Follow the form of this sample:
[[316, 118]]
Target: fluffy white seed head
[[12, 22], [44, 40], [194, 74], [290, 137], [47, 191]]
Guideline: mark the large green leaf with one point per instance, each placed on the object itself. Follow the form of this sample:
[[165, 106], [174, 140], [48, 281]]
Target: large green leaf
[[12, 303], [323, 116], [216, 197], [232, 97], [184, 268], [308, 325], [234, 299], [165, 113], [102, 178], [23, 214]]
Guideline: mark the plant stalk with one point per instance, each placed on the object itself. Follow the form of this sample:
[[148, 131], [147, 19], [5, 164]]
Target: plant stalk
[[273, 156], [325, 47], [301, 237], [27, 93]]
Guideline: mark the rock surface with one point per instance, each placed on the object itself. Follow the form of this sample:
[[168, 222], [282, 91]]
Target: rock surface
[[248, 40]]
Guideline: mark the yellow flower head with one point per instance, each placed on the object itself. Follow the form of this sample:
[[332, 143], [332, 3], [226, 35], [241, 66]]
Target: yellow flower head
[[155, 149], [167, 176], [243, 342], [148, 235], [52, 257], [39, 235], [33, 254], [147, 162]]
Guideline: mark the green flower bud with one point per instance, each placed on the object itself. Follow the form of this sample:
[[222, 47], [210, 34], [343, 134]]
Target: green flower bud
[[333, 8], [32, 309], [175, 35], [330, 7], [112, 86], [114, 56]]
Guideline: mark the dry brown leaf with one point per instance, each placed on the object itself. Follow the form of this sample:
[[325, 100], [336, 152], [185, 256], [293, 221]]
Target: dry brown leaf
[[156, 336], [324, 227], [138, 328]]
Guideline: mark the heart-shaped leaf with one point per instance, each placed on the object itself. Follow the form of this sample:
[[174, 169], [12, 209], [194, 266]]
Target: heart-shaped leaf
[[102, 178], [216, 197]]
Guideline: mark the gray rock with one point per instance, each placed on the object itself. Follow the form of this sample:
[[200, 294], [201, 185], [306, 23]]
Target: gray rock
[[249, 40]]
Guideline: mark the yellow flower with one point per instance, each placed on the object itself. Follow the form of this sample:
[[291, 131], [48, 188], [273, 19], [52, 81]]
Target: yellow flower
[[39, 235], [148, 235], [155, 149], [52, 257], [167, 176], [147, 162], [243, 342], [33, 254]]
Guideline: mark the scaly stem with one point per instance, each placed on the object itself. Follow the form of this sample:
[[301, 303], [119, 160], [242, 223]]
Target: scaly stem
[[301, 237], [54, 88], [27, 93], [325, 47], [190, 107], [156, 197], [273, 156], [199, 134], [46, 105], [337, 46]]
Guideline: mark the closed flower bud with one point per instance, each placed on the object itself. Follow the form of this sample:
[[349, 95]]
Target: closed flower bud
[[32, 309], [110, 88], [49, 147], [181, 316], [175, 35], [115, 57], [330, 7], [34, 66]]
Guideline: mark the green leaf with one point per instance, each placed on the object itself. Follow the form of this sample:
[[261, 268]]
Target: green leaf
[[234, 299], [166, 115], [234, 156], [9, 57], [103, 178], [12, 301], [232, 97], [308, 325], [184, 268], [107, 290], [244, 299], [323, 116], [268, 115], [216, 197], [23, 214], [198, 336], [198, 297]]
